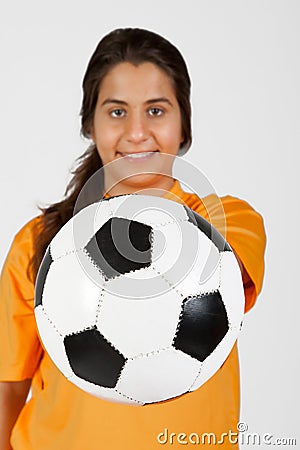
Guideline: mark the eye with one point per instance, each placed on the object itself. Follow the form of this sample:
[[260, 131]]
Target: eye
[[117, 113], [155, 111]]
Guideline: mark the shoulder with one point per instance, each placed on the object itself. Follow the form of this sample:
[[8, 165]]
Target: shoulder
[[233, 202], [28, 230], [232, 216], [212, 203], [239, 211], [15, 283], [22, 243]]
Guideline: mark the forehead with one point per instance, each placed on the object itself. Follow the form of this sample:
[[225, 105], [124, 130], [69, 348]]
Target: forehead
[[144, 80]]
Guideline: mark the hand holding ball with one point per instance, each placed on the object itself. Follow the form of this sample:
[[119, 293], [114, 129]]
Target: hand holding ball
[[138, 299]]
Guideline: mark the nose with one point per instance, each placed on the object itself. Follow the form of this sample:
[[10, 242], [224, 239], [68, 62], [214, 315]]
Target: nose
[[137, 128]]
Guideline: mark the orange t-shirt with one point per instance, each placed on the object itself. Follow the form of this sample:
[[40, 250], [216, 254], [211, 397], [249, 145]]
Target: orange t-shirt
[[60, 416]]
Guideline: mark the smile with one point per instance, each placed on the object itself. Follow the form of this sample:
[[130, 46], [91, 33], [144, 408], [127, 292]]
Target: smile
[[138, 155]]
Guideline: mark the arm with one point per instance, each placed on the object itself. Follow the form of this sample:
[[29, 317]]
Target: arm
[[13, 396], [20, 349], [246, 279], [243, 228]]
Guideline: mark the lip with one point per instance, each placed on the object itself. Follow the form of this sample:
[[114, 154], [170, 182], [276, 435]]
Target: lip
[[138, 157], [139, 152]]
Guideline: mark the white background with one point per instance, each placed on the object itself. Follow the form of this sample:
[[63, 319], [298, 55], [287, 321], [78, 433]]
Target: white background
[[243, 58]]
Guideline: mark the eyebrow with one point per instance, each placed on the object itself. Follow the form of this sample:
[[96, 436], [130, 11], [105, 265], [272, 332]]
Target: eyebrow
[[148, 102]]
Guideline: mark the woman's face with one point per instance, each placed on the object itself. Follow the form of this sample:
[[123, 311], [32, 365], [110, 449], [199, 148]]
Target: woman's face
[[137, 127]]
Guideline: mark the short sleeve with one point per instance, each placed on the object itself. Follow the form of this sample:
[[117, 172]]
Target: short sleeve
[[20, 349], [244, 229]]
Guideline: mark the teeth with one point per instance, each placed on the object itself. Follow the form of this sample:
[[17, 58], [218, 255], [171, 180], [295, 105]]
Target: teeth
[[138, 155]]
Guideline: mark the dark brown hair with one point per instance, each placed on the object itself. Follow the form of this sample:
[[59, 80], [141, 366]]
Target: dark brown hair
[[132, 45]]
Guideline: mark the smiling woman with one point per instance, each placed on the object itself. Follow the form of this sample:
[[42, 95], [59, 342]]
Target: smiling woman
[[137, 118], [136, 111]]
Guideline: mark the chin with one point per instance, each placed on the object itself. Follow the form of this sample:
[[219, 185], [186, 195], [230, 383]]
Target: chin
[[143, 180], [152, 184]]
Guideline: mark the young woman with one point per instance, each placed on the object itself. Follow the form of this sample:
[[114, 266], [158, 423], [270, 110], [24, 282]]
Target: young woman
[[136, 110]]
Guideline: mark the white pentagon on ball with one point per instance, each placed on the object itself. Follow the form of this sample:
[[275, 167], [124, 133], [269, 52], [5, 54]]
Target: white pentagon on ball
[[138, 299]]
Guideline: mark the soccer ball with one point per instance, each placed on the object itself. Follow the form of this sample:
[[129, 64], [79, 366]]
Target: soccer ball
[[138, 299]]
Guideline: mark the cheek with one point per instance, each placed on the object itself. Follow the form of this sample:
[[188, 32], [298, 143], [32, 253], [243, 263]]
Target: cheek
[[171, 136], [105, 137]]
